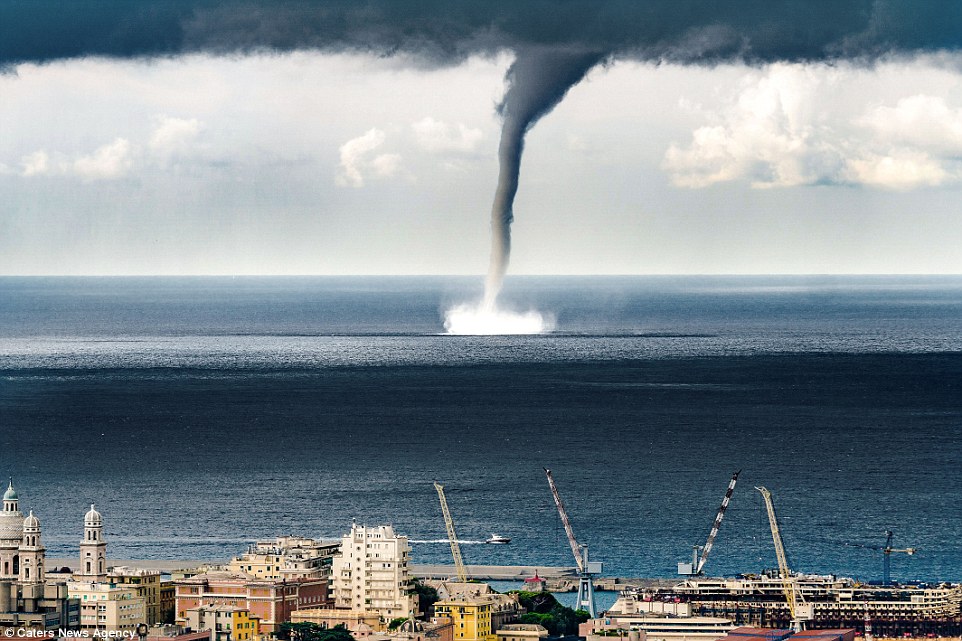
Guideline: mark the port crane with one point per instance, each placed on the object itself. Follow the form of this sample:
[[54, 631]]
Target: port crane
[[452, 537], [797, 608], [586, 571], [887, 551], [698, 564]]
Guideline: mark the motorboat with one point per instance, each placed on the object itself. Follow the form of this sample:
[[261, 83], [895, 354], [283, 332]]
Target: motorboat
[[497, 538]]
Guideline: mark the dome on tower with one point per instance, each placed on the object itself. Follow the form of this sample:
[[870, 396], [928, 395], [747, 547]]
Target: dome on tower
[[11, 520], [31, 522], [11, 527], [93, 518]]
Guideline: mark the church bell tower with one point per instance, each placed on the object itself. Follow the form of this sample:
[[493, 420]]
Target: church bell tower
[[93, 548], [31, 552]]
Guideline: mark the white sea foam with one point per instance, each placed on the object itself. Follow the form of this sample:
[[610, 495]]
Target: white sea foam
[[478, 320]]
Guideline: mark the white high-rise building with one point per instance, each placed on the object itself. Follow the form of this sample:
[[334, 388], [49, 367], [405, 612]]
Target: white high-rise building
[[371, 573]]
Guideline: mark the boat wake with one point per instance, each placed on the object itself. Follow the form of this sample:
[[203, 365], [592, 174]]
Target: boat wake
[[445, 541]]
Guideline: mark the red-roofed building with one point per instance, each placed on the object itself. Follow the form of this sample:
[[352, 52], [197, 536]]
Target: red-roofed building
[[535, 583], [271, 601]]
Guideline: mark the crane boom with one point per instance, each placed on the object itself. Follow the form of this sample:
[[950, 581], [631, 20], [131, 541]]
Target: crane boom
[[572, 541], [887, 551], [452, 537], [586, 570], [783, 570], [717, 523]]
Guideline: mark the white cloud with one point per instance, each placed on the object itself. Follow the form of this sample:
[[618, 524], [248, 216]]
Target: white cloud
[[173, 135], [170, 137], [112, 160], [386, 164], [902, 169], [36, 164], [768, 134], [577, 144], [779, 130], [41, 163], [919, 121], [438, 136], [356, 161]]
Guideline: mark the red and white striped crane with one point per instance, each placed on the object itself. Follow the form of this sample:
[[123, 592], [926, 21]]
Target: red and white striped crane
[[698, 563], [586, 570]]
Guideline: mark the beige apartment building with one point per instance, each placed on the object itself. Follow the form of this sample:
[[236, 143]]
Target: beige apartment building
[[109, 607], [287, 557], [371, 573], [147, 584]]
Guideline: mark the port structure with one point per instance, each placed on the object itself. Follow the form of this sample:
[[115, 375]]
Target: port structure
[[452, 537], [799, 611], [586, 570], [887, 551], [887, 556], [697, 565]]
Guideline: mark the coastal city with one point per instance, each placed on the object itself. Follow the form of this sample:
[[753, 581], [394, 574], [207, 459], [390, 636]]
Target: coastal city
[[271, 268], [363, 586]]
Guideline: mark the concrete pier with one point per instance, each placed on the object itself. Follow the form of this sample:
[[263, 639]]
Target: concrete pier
[[559, 579], [494, 572]]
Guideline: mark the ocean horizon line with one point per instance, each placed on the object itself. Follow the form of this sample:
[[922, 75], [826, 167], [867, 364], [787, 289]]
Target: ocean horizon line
[[510, 276]]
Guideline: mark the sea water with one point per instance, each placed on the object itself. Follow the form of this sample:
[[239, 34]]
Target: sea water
[[201, 414]]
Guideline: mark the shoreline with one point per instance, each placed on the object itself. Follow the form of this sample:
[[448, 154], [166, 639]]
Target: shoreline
[[559, 578]]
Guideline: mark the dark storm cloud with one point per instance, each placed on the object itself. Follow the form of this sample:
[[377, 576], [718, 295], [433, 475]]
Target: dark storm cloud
[[556, 42], [439, 31]]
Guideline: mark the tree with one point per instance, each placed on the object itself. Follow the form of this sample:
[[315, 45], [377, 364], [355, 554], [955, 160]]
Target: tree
[[545, 610], [427, 596], [313, 632], [396, 623]]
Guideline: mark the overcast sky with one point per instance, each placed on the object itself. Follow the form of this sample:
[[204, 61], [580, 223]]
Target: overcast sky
[[323, 163]]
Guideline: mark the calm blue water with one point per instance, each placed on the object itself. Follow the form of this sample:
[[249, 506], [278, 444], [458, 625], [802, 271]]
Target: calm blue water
[[203, 413]]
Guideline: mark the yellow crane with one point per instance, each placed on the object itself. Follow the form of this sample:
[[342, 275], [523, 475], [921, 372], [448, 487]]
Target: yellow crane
[[452, 537], [797, 608]]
